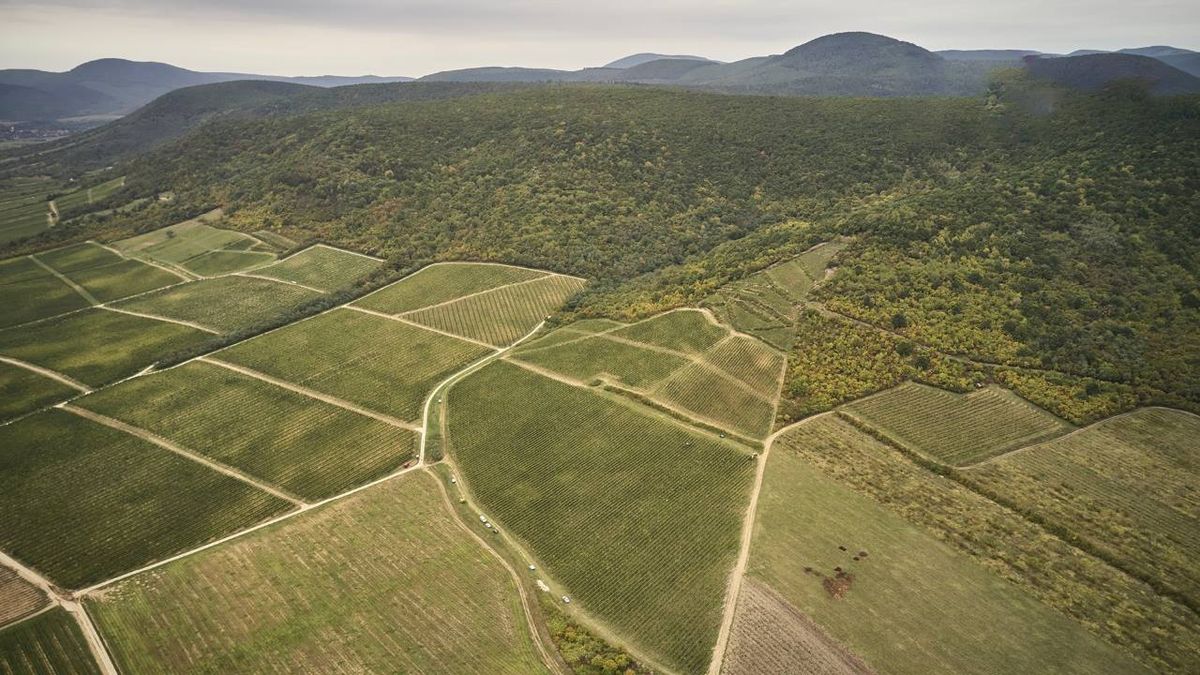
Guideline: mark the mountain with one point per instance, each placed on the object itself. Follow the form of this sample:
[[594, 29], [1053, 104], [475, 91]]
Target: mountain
[[1091, 72], [113, 87], [661, 70], [646, 57], [997, 55]]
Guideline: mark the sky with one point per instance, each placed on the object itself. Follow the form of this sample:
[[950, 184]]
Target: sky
[[417, 37]]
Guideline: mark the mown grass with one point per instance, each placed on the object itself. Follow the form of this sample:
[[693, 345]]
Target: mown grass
[[225, 304], [307, 447], [83, 502], [29, 292], [1116, 607], [50, 643], [637, 517], [442, 282], [381, 364], [502, 316], [23, 391], [908, 587], [321, 267], [97, 346], [384, 581]]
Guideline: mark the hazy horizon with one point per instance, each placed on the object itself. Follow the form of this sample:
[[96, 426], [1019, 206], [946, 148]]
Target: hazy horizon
[[417, 38]]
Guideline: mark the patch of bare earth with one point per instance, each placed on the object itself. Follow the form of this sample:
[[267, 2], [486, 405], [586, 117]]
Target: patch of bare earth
[[18, 598], [769, 635]]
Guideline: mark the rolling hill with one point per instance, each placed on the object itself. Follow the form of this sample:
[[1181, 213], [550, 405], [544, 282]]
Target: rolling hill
[[1091, 72]]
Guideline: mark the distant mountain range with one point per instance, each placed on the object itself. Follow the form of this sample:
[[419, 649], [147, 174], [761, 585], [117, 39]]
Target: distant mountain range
[[842, 64]]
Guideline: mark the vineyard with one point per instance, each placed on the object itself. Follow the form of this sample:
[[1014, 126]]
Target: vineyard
[[1116, 607], [384, 365], [50, 643], [78, 257], [1139, 471], [308, 447], [718, 398], [957, 429], [83, 502], [29, 292], [226, 304], [82, 197], [328, 269], [18, 598], [97, 346], [687, 331], [596, 357], [637, 517], [120, 279], [192, 244], [22, 391], [501, 316], [23, 207], [882, 586], [384, 581], [441, 283], [749, 361], [216, 263]]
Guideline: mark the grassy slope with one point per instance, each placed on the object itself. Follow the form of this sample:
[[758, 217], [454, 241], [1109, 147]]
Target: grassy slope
[[383, 581]]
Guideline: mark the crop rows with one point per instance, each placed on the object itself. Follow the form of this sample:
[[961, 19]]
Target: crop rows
[[78, 257], [121, 279], [18, 597], [97, 346], [215, 263], [718, 398], [955, 428], [685, 331], [83, 502], [595, 357], [29, 292], [502, 316], [749, 361], [637, 516], [328, 269], [85, 196], [50, 643], [440, 283], [23, 390], [381, 364], [1126, 485], [226, 304], [303, 445], [385, 581]]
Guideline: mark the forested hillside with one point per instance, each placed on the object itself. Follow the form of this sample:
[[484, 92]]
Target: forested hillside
[[1031, 228]]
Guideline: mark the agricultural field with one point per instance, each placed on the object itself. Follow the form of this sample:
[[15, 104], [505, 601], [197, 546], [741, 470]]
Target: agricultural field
[[224, 304], [1123, 611], [957, 429], [718, 399], [48, 643], [1129, 487], [501, 316], [322, 267], [29, 292], [18, 598], [384, 581], [307, 447], [221, 262], [22, 391], [79, 199], [77, 257], [121, 279], [97, 346], [686, 331], [637, 516], [197, 247], [83, 502], [23, 208], [379, 363], [883, 587], [443, 282], [599, 357]]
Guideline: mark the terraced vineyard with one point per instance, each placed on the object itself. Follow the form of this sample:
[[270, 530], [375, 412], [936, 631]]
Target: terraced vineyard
[[637, 516], [47, 643], [1127, 486], [83, 502], [308, 447], [957, 429], [97, 346], [501, 316], [322, 267], [224, 304], [380, 363], [384, 581], [441, 283], [882, 586]]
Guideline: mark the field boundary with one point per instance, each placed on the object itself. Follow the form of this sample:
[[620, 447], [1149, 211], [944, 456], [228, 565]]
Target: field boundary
[[186, 276], [83, 293], [249, 275], [394, 317], [46, 372], [473, 295], [144, 315]]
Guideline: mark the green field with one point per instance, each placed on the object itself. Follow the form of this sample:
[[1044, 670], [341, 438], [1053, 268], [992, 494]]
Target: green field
[[97, 346], [381, 364], [23, 391], [443, 282], [23, 207], [83, 502], [1127, 486], [307, 447], [48, 644], [323, 267], [637, 517], [80, 198], [597, 357], [502, 316], [718, 399], [216, 263], [194, 245], [686, 331], [912, 604], [121, 279], [28, 293], [225, 304], [1116, 607], [385, 581], [957, 429], [18, 598], [77, 257]]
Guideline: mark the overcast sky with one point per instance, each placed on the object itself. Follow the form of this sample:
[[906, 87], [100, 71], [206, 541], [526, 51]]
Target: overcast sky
[[416, 37]]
